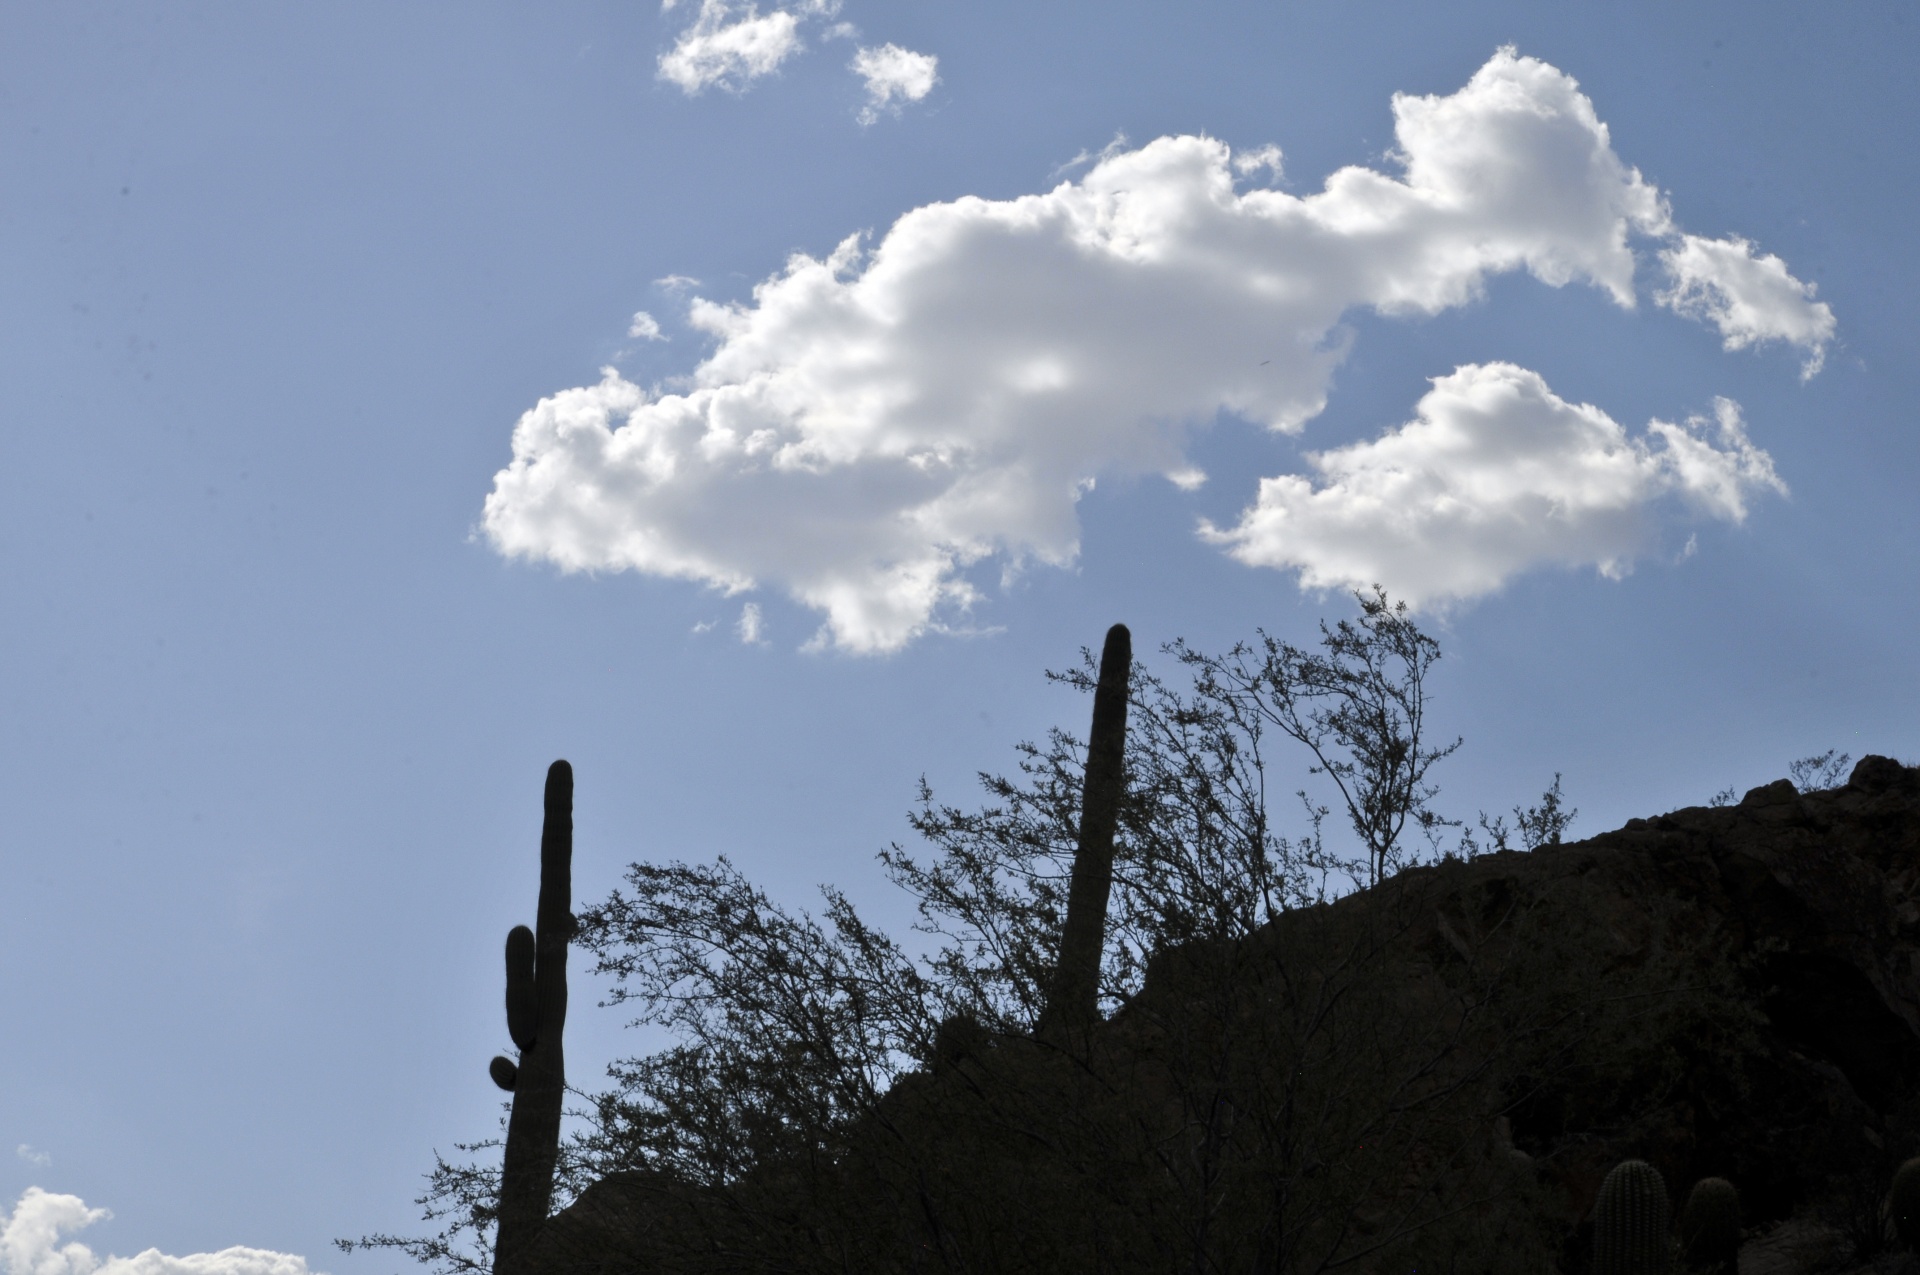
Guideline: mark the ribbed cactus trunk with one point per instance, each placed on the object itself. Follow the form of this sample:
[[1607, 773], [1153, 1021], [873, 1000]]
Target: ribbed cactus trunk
[[1710, 1227], [536, 1019], [1073, 998], [1630, 1222]]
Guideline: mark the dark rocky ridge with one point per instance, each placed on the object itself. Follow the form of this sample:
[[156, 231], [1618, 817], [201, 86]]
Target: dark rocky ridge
[[1812, 900], [1821, 892]]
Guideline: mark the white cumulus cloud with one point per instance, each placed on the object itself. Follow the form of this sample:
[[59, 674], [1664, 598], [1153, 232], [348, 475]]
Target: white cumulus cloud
[[729, 47], [1495, 475], [1749, 298], [645, 327], [893, 75], [875, 423], [30, 1245]]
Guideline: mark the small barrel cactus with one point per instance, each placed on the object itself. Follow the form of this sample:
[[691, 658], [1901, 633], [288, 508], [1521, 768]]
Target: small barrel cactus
[[1630, 1222], [1902, 1208], [1710, 1225]]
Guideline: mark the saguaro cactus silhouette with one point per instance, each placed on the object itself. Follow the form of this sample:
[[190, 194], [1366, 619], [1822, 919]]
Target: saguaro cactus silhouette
[[1073, 998], [536, 1019]]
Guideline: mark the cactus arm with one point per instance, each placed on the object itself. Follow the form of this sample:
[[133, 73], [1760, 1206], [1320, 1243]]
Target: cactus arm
[[539, 1091], [1073, 998], [523, 1004]]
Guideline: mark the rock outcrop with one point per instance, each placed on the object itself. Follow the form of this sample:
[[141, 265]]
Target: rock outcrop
[[1818, 898]]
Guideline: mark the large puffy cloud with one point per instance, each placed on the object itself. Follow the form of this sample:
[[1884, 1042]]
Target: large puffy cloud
[[875, 422], [30, 1245], [1495, 475]]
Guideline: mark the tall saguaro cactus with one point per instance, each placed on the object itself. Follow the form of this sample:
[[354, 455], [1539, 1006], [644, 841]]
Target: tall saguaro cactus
[[536, 1018], [1072, 1000]]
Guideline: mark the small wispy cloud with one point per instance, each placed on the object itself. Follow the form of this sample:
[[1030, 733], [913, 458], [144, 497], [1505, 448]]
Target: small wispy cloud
[[676, 283], [645, 327], [730, 45], [30, 1245], [729, 48], [1247, 163], [1750, 298], [1115, 147], [32, 1156], [893, 75], [750, 627]]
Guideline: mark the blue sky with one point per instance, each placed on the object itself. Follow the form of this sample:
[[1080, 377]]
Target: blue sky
[[1605, 357]]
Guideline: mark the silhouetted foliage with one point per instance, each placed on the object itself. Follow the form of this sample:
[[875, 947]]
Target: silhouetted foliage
[[1537, 825], [787, 1027], [1196, 858], [1261, 1097], [1809, 774], [1358, 704], [1820, 771], [464, 1198]]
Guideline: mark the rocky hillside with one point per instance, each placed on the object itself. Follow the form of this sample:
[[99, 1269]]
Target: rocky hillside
[[1434, 1074], [1818, 897]]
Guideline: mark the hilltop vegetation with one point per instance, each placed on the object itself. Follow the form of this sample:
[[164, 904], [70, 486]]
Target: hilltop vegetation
[[1432, 1072]]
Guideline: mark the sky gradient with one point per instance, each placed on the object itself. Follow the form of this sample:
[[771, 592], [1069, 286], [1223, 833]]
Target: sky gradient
[[748, 405]]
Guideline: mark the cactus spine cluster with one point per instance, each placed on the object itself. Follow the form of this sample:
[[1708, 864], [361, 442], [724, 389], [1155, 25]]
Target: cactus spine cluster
[[1710, 1225], [1902, 1208], [536, 1018], [1630, 1222], [1073, 998]]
